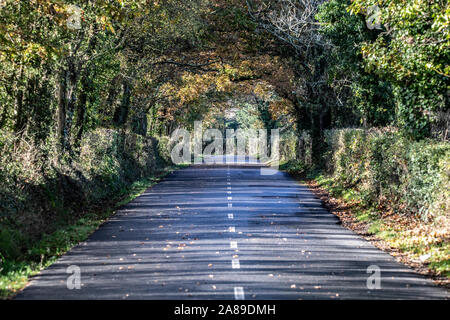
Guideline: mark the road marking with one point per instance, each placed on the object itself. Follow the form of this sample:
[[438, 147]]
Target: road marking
[[239, 293], [229, 192], [232, 229], [230, 216], [228, 183], [230, 198], [230, 205], [229, 188], [233, 244], [235, 264]]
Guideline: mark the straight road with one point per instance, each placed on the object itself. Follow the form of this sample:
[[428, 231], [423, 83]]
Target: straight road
[[227, 232]]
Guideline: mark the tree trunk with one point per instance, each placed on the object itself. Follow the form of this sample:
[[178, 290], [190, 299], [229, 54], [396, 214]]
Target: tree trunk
[[121, 114], [19, 122], [81, 109], [62, 106]]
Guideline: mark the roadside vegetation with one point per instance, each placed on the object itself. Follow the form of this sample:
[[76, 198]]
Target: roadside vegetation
[[381, 183], [16, 271], [90, 91]]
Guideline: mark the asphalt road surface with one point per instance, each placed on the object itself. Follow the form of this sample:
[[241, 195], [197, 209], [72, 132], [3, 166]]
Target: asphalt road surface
[[227, 232]]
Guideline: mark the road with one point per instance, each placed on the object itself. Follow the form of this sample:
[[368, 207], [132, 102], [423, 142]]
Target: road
[[227, 232]]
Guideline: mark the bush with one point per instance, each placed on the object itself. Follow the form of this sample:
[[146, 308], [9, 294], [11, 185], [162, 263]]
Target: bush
[[392, 170], [41, 189]]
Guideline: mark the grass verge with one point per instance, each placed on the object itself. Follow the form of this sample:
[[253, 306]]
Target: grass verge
[[14, 275]]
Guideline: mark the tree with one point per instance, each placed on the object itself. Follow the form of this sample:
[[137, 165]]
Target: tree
[[412, 53], [360, 91]]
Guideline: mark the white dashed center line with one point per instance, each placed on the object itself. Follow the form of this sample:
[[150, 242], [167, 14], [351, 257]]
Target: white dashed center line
[[235, 264], [239, 293]]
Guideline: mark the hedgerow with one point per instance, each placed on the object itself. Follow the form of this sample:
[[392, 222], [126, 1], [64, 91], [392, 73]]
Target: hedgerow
[[390, 169], [41, 190]]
